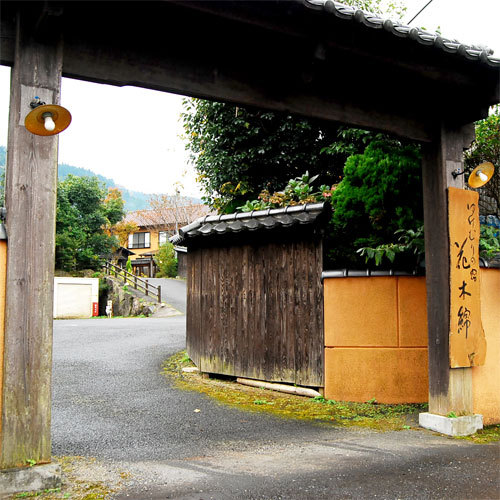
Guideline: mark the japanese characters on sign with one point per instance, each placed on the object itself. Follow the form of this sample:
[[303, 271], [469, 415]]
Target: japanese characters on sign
[[467, 342]]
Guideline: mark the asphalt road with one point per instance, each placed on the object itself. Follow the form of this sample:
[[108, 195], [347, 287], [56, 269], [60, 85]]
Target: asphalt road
[[173, 291], [111, 402]]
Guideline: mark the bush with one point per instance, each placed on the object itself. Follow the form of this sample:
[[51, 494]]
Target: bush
[[380, 194], [166, 261]]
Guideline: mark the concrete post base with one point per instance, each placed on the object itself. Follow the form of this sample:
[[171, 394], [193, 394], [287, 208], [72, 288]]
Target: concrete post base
[[39, 477], [457, 426]]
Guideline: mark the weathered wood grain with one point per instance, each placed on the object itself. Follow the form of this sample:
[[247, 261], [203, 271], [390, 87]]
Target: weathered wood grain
[[271, 62], [259, 313], [446, 386], [31, 180]]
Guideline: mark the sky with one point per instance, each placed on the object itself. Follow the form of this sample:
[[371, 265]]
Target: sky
[[134, 135]]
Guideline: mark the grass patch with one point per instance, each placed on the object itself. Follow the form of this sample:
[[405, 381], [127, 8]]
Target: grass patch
[[490, 434], [340, 413]]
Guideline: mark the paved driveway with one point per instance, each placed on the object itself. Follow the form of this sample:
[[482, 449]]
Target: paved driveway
[[173, 291], [111, 402]]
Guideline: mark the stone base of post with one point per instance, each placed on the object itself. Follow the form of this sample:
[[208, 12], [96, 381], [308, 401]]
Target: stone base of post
[[36, 478], [451, 426]]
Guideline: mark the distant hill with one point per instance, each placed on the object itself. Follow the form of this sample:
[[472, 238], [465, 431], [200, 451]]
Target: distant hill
[[134, 200]]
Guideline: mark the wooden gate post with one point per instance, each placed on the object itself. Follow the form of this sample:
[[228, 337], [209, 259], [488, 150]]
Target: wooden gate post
[[31, 183], [450, 389]]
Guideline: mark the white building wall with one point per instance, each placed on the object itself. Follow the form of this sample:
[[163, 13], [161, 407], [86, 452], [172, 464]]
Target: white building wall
[[76, 297]]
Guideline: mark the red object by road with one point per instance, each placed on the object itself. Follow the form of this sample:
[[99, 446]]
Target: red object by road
[[95, 309]]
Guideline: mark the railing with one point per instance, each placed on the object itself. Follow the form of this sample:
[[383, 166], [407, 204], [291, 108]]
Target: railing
[[129, 278]]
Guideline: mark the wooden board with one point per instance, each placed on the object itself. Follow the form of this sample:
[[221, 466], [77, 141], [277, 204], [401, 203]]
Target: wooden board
[[467, 340], [255, 310], [30, 197], [271, 61]]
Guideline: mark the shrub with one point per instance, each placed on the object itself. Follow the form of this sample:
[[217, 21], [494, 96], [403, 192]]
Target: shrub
[[166, 261], [380, 194]]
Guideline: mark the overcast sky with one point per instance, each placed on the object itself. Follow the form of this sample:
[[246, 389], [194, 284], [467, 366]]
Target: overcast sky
[[134, 135]]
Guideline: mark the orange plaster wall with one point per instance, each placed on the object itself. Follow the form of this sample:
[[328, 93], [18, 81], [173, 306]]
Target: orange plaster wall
[[486, 378], [390, 375], [412, 311], [358, 367], [361, 312], [376, 339]]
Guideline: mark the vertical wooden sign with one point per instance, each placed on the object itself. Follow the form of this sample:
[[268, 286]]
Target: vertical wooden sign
[[467, 341]]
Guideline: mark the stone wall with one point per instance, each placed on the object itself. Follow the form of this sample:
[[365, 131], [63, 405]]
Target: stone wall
[[126, 300]]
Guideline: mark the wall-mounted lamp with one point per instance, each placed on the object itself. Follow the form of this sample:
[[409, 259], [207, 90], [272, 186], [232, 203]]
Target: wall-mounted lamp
[[479, 176], [46, 119]]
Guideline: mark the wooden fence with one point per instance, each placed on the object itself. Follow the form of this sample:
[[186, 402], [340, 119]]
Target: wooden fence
[[131, 279], [255, 309]]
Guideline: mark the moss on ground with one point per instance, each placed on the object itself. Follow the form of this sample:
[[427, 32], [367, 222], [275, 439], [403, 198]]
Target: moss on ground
[[82, 479], [370, 414], [341, 413], [489, 434]]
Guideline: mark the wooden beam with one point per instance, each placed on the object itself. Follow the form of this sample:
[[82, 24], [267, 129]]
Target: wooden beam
[[284, 57], [31, 183], [449, 389], [247, 87]]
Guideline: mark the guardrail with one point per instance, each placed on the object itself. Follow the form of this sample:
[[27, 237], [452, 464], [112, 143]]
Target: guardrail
[[129, 278]]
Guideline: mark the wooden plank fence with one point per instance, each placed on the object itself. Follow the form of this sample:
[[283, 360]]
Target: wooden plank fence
[[255, 310]]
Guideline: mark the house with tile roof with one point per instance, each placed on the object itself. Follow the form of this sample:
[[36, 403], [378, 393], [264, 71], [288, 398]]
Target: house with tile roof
[[155, 228]]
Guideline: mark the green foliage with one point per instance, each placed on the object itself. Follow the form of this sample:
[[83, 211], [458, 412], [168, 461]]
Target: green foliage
[[298, 191], [489, 243], [262, 402], [379, 195], [395, 10], [82, 215], [166, 261], [486, 147], [113, 206], [410, 248], [129, 265], [185, 358], [239, 152]]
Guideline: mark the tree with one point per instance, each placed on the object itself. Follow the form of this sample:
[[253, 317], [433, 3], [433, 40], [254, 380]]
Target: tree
[[166, 261], [114, 205], [379, 195], [165, 209], [121, 230], [240, 151], [486, 147], [83, 213]]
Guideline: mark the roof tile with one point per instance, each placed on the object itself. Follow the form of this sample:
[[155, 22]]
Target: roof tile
[[373, 21], [250, 221]]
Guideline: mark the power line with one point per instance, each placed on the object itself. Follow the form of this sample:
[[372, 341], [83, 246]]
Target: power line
[[421, 10]]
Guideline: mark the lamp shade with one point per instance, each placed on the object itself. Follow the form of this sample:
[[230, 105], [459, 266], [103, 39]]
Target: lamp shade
[[39, 121], [481, 175]]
